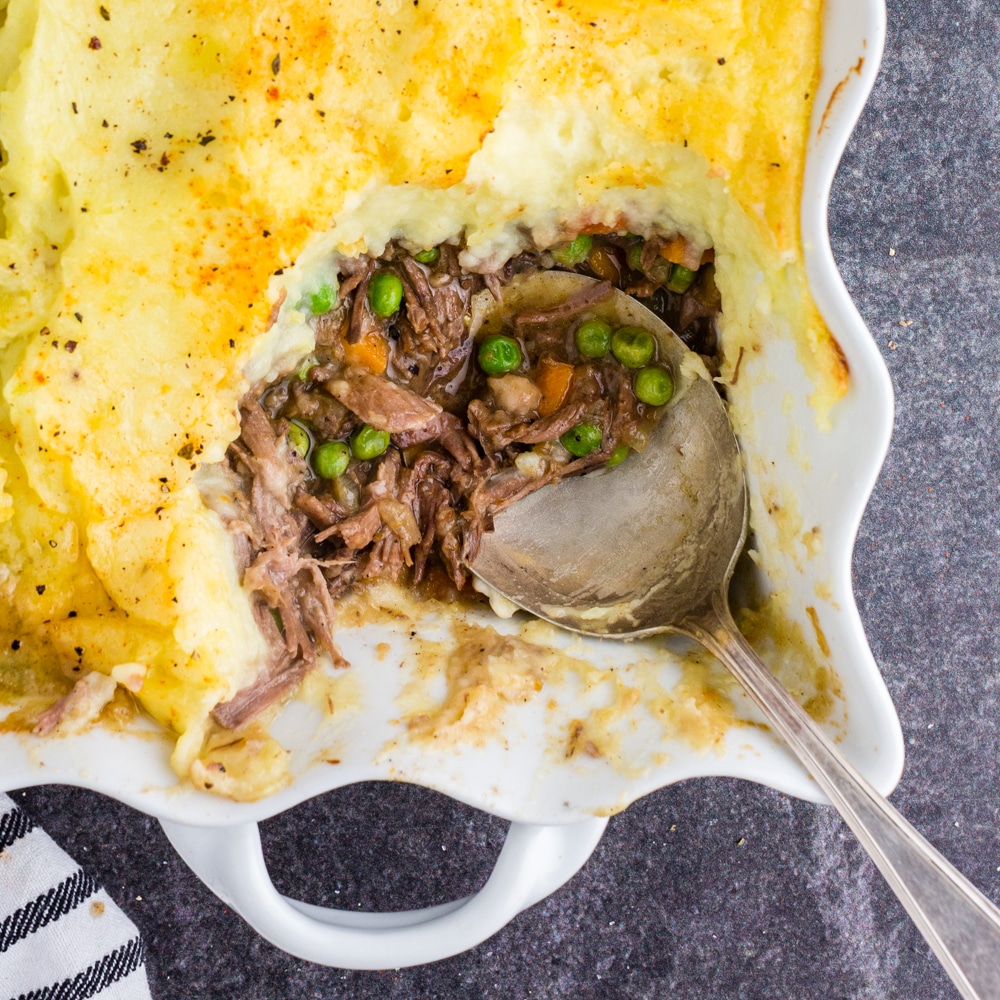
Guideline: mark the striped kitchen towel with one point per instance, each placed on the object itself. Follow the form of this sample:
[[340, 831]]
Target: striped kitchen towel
[[61, 935]]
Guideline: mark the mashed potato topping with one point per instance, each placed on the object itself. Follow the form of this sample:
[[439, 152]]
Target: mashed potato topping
[[177, 178]]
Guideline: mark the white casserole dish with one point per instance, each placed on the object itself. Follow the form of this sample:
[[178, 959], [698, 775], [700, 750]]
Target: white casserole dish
[[559, 809]]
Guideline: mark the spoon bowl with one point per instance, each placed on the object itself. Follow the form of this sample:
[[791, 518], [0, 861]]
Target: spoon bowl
[[650, 546], [636, 549]]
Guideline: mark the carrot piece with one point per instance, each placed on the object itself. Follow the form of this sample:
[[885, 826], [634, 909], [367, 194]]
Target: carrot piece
[[553, 379], [372, 353], [678, 251]]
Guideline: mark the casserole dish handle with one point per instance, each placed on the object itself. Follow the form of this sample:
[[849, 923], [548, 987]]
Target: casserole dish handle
[[535, 861]]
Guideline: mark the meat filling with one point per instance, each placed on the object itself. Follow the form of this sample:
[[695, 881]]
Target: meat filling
[[390, 450]]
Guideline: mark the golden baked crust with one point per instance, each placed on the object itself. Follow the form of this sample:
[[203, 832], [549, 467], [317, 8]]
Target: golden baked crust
[[165, 168]]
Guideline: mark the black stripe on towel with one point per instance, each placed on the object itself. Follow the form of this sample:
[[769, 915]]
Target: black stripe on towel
[[49, 906], [117, 965], [13, 826]]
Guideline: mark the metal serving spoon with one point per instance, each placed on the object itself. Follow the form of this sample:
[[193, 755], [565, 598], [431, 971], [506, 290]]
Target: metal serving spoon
[[650, 547]]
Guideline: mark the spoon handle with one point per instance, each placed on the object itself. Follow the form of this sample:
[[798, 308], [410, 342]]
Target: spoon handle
[[960, 924]]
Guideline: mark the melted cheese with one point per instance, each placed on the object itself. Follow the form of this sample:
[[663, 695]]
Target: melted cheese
[[172, 172]]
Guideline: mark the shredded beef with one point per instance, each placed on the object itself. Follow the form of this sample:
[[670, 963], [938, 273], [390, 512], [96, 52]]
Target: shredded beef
[[548, 428], [432, 343], [577, 303], [281, 573], [456, 457], [363, 321], [279, 680], [322, 511], [357, 531], [353, 273], [381, 403], [448, 430]]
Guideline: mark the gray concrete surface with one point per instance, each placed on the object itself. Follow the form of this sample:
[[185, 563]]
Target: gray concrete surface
[[720, 889]]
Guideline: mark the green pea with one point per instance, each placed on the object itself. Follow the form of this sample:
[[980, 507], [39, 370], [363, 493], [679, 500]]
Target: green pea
[[298, 438], [618, 455], [322, 301], [331, 459], [428, 256], [368, 443], [632, 346], [571, 254], [681, 279], [593, 338], [582, 439], [634, 256], [306, 365], [385, 294], [499, 354], [653, 385]]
